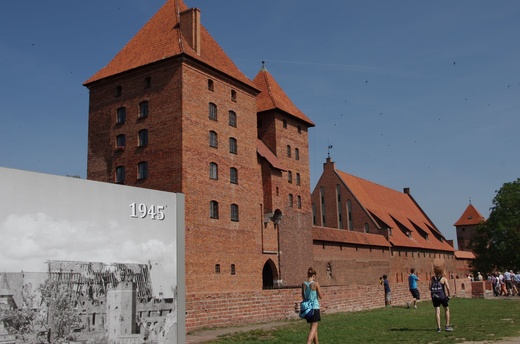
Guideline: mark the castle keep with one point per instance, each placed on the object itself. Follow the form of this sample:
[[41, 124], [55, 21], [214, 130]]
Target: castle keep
[[172, 112]]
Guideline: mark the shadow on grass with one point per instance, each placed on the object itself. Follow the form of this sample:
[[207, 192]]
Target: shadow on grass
[[406, 329]]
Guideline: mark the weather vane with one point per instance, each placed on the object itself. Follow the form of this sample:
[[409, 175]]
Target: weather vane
[[328, 151]]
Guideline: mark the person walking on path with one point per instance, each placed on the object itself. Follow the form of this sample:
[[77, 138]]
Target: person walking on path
[[311, 291], [440, 292], [412, 284], [388, 295]]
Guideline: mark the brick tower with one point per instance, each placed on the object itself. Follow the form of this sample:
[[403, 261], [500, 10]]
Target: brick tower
[[172, 112], [466, 227]]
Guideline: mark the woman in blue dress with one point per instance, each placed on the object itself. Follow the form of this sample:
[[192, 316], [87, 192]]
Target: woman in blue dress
[[311, 291]]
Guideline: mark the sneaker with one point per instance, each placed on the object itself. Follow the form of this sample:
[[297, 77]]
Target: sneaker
[[415, 307], [448, 329], [408, 305], [439, 330]]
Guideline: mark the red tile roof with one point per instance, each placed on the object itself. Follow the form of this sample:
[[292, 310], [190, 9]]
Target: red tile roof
[[273, 97], [398, 211], [464, 255], [266, 153], [471, 216], [160, 38], [348, 237]]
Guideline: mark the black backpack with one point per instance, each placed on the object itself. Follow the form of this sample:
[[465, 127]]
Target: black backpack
[[437, 289]]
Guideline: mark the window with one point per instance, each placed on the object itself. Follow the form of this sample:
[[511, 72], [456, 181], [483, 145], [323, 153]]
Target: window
[[314, 214], [233, 175], [121, 115], [233, 269], [233, 145], [213, 142], [234, 212], [210, 85], [213, 170], [148, 82], [299, 202], [213, 209], [120, 174], [232, 119], [299, 130], [119, 91], [288, 151], [291, 201], [217, 268], [322, 203], [296, 154], [367, 228], [339, 206], [142, 170], [212, 112], [285, 124], [143, 138], [120, 142], [143, 109], [298, 181], [289, 176], [234, 95], [349, 215]]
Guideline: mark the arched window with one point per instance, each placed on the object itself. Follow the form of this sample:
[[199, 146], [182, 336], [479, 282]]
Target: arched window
[[213, 209], [298, 179], [289, 176], [232, 119], [234, 212], [291, 201], [143, 109], [143, 138], [322, 203], [285, 123], [233, 145], [120, 174], [121, 142], [142, 170], [233, 175], [212, 111], [299, 202], [213, 170], [288, 151], [213, 139], [349, 215], [367, 228], [296, 154], [121, 115], [210, 85], [314, 214], [339, 206]]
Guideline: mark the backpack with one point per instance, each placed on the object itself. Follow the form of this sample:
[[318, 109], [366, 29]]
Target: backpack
[[306, 310], [437, 289]]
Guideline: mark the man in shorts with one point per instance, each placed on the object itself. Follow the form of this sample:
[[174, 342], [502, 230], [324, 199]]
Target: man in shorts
[[412, 284]]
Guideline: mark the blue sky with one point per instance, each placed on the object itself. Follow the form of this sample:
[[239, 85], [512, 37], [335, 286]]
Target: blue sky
[[419, 94]]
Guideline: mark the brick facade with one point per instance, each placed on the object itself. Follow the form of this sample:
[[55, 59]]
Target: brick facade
[[232, 264]]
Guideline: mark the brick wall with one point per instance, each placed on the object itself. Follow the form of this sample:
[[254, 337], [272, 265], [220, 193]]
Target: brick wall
[[225, 309]]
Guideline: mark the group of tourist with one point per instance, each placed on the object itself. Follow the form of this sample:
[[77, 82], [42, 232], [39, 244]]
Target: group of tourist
[[438, 286], [506, 284]]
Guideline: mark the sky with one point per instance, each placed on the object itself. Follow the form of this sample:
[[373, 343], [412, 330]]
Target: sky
[[418, 94]]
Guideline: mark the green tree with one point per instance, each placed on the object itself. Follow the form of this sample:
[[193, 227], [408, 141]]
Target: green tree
[[497, 243]]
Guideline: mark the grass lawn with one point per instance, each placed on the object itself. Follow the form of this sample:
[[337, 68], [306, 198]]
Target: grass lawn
[[472, 320]]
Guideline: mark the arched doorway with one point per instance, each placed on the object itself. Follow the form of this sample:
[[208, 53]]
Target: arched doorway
[[269, 274]]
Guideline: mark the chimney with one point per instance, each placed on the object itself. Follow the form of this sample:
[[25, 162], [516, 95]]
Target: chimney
[[329, 164], [406, 191], [190, 28]]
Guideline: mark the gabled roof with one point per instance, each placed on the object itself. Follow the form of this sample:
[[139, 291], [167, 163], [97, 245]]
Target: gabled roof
[[471, 216], [273, 97], [348, 237], [398, 211], [266, 153], [160, 38]]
